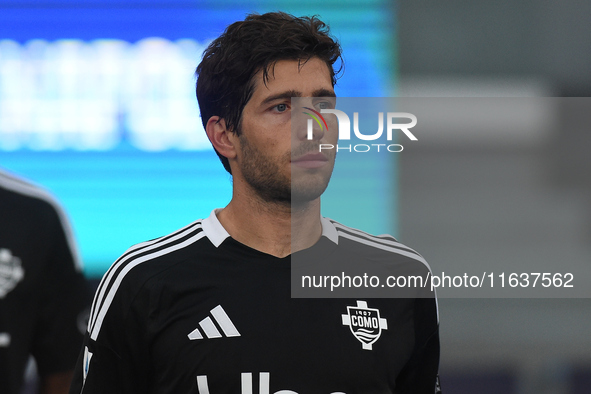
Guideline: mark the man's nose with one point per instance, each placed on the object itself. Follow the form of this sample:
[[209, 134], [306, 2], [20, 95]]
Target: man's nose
[[310, 126]]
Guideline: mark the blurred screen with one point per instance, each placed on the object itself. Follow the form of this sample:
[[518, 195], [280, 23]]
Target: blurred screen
[[97, 104]]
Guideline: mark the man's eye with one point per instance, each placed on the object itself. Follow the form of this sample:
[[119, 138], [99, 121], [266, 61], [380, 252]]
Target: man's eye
[[323, 105], [281, 107]]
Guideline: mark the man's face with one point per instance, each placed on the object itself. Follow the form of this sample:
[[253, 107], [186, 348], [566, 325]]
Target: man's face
[[279, 163]]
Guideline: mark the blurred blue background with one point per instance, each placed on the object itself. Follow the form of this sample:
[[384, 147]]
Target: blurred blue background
[[97, 104]]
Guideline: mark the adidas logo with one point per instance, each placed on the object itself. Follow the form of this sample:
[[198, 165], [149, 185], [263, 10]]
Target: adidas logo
[[209, 329]]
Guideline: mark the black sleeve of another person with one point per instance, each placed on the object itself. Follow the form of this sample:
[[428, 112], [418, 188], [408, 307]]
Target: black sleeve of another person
[[64, 297]]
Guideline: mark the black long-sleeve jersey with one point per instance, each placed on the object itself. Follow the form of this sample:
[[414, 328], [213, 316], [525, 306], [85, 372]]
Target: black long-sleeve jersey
[[43, 294], [198, 312]]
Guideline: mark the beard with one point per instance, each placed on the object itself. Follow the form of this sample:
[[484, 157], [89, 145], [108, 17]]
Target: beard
[[264, 175]]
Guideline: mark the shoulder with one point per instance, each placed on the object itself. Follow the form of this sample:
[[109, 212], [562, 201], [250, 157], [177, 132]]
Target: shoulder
[[153, 255], [30, 204], [386, 248], [375, 246], [21, 193], [141, 263]]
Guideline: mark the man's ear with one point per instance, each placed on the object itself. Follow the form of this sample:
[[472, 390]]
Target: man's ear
[[221, 138]]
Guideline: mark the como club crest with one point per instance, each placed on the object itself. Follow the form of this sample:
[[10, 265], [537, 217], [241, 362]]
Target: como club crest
[[365, 323], [11, 272]]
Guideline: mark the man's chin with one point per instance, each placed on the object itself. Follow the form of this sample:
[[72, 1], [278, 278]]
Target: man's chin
[[305, 196]]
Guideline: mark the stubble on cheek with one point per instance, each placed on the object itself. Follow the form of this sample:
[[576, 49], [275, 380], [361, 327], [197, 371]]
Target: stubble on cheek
[[264, 173], [272, 178]]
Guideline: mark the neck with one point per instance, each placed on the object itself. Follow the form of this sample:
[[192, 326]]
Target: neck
[[275, 228]]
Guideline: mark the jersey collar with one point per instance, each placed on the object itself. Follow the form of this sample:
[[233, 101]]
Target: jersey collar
[[329, 230], [217, 233]]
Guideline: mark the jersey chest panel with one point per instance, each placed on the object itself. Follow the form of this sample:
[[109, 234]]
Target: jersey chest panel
[[230, 326]]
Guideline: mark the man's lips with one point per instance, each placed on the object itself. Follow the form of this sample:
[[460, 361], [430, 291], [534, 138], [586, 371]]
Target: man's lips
[[310, 160]]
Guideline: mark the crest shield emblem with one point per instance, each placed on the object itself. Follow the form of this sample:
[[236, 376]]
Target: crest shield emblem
[[11, 272], [365, 324]]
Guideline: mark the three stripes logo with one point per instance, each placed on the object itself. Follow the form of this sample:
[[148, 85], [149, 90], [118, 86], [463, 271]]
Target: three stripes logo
[[208, 329], [317, 117]]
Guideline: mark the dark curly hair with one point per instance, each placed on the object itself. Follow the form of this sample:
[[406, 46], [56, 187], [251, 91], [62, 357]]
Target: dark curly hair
[[225, 75]]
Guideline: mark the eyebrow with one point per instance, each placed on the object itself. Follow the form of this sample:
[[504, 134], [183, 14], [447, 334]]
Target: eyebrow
[[294, 93]]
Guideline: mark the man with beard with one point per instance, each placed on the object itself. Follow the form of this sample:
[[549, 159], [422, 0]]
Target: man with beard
[[207, 309]]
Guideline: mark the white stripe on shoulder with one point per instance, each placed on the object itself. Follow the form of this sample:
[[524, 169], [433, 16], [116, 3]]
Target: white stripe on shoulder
[[21, 186], [384, 239], [381, 243], [128, 255], [408, 253], [132, 264]]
